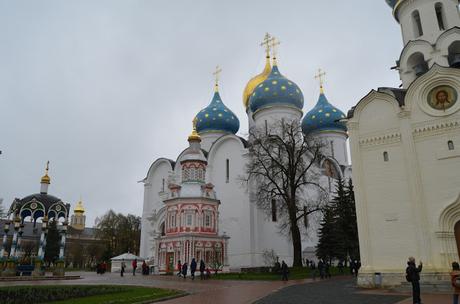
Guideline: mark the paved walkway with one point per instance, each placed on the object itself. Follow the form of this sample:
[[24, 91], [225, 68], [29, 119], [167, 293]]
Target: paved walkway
[[339, 290]]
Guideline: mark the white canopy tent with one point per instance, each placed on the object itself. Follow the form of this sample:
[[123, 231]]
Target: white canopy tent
[[128, 258]]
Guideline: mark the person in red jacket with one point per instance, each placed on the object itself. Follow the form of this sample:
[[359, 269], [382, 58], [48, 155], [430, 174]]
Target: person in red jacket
[[134, 266], [179, 268]]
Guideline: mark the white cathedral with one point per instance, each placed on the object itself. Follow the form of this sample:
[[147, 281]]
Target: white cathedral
[[180, 219], [405, 148]]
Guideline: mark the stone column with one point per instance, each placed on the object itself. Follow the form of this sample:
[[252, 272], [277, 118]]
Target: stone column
[[6, 228], [59, 269], [14, 244], [18, 246], [41, 250]]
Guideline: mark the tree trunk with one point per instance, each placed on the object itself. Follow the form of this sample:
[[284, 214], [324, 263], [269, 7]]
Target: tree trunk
[[297, 244]]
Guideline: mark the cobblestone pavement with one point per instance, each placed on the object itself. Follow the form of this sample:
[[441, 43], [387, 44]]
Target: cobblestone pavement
[[341, 291]]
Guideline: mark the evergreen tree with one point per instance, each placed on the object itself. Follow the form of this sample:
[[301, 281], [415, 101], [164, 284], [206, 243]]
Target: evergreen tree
[[338, 233], [52, 243], [351, 224]]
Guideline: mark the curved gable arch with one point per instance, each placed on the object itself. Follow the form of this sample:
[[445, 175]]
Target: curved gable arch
[[369, 100], [335, 167], [412, 47], [156, 164], [446, 39]]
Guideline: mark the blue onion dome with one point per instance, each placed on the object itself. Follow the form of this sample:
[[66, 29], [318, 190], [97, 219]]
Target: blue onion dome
[[276, 90], [323, 117], [216, 117]]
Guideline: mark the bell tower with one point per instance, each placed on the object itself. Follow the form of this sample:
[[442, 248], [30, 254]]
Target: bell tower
[[78, 219], [431, 35]]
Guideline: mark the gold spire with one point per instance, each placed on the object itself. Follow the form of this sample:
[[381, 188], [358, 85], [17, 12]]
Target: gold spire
[[273, 44], [45, 178], [79, 207], [216, 75], [258, 79], [194, 135], [320, 76]]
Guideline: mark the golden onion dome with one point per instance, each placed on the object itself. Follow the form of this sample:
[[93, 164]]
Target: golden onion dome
[[79, 207], [255, 81], [194, 136], [45, 178]]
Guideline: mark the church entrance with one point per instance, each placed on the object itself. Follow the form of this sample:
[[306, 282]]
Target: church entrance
[[457, 236], [170, 262]]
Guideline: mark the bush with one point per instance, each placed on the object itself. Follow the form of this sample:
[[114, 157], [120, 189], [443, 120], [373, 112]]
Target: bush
[[41, 294]]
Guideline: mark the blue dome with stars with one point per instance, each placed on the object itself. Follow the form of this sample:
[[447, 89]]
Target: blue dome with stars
[[217, 117], [276, 89], [323, 117]]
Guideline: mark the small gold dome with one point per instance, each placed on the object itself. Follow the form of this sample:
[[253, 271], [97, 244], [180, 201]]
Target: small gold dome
[[45, 178], [255, 81], [79, 208], [194, 136]]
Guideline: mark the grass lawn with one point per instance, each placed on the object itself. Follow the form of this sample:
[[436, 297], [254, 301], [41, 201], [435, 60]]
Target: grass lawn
[[297, 273], [84, 294], [129, 296]]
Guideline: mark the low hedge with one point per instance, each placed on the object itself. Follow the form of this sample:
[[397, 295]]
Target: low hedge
[[42, 294]]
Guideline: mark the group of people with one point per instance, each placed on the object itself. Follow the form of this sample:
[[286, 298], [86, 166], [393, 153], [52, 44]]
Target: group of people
[[101, 268], [145, 267], [182, 269]]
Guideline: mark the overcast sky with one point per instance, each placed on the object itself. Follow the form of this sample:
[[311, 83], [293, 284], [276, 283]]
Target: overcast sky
[[103, 88]]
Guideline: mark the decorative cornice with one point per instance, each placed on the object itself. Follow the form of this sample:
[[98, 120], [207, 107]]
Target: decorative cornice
[[433, 128], [384, 139]]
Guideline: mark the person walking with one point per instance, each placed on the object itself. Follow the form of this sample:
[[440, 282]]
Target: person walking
[[284, 271], [455, 280], [321, 269], [202, 268], [184, 270], [193, 268], [145, 268], [123, 266], [179, 268], [134, 264], [413, 276]]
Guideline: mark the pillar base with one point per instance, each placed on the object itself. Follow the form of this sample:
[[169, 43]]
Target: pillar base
[[38, 269], [59, 269], [10, 269]]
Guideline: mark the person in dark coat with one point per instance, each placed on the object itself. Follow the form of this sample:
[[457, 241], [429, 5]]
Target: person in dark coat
[[327, 270], [123, 266], [179, 268], [202, 269], [321, 269], [193, 268], [284, 271], [184, 269], [134, 264], [413, 276]]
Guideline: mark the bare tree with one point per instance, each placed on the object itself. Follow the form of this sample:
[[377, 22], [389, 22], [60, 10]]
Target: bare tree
[[283, 171]]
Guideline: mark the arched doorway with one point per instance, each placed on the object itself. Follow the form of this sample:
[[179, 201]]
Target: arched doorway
[[457, 236]]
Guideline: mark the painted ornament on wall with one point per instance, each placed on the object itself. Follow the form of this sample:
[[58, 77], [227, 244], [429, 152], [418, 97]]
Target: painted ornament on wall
[[442, 97]]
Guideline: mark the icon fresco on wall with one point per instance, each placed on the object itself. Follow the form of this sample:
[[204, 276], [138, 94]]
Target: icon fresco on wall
[[442, 97]]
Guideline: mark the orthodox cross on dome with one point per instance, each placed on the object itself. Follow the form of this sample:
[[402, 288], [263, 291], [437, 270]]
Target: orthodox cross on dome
[[47, 167], [320, 76], [273, 44], [216, 75], [266, 43]]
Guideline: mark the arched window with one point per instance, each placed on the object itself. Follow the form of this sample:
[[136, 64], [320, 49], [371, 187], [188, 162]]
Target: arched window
[[450, 145], [418, 30], [227, 170], [440, 16], [385, 156]]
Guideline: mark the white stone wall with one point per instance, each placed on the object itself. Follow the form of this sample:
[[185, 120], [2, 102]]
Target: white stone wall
[[153, 186], [400, 202]]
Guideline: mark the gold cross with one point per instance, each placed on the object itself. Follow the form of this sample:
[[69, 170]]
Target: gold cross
[[194, 121], [273, 44], [216, 75], [266, 43], [47, 166], [320, 76]]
